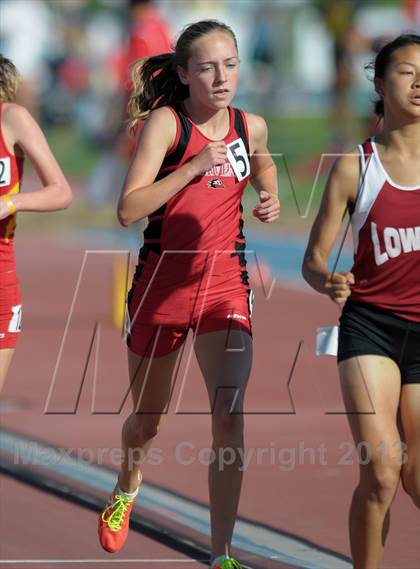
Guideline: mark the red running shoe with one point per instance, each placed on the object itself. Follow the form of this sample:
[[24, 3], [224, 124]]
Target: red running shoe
[[114, 522]]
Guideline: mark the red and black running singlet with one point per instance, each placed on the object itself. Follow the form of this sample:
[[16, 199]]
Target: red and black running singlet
[[11, 170], [386, 233], [206, 215]]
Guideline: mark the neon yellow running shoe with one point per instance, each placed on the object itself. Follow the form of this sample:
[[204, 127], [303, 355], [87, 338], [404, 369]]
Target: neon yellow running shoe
[[225, 562], [114, 523]]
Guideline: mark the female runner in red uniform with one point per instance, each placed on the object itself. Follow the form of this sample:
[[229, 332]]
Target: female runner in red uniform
[[194, 158], [20, 136], [379, 339]]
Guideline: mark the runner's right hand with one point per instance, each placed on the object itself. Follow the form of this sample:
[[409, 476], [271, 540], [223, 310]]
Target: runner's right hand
[[214, 154], [337, 286]]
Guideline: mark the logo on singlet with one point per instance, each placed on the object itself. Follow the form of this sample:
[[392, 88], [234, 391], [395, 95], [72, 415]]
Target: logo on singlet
[[236, 316], [396, 241], [215, 183]]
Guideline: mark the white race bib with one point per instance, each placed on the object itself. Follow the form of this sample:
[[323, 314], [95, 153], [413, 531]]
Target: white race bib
[[238, 158], [16, 320], [251, 301], [4, 171]]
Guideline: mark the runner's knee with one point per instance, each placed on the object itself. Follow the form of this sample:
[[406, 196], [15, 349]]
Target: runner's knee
[[227, 428], [381, 483], [143, 427]]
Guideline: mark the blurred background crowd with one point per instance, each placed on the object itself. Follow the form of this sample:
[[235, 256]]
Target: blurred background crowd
[[302, 67]]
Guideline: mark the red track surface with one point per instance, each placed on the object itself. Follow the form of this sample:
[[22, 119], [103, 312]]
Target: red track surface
[[36, 525], [310, 500]]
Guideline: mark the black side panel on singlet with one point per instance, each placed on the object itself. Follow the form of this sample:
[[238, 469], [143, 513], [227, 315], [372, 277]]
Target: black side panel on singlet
[[240, 128], [169, 164], [174, 158], [240, 244]]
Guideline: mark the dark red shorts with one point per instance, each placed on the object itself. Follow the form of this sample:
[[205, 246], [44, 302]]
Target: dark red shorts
[[167, 299], [10, 310]]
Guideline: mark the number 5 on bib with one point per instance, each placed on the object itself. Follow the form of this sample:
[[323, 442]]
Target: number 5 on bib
[[238, 158]]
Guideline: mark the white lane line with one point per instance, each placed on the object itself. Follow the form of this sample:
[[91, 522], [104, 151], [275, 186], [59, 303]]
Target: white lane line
[[69, 561], [249, 537]]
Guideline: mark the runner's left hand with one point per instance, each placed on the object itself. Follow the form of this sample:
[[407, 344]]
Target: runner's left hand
[[268, 210]]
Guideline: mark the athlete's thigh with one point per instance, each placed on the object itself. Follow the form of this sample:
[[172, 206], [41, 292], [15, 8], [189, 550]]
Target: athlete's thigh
[[6, 356], [371, 387], [410, 417], [225, 360], [151, 380]]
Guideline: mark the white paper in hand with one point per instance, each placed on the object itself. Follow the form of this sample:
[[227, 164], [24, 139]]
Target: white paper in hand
[[327, 341]]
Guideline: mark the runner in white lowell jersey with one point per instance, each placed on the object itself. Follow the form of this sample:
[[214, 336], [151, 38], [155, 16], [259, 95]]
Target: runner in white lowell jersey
[[386, 233], [379, 339]]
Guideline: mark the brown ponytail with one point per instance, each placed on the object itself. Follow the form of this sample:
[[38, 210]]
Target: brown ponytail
[[155, 84], [9, 80]]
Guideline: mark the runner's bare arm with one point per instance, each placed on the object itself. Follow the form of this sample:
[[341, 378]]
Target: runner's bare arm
[[340, 192], [263, 171], [22, 130], [141, 195]]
